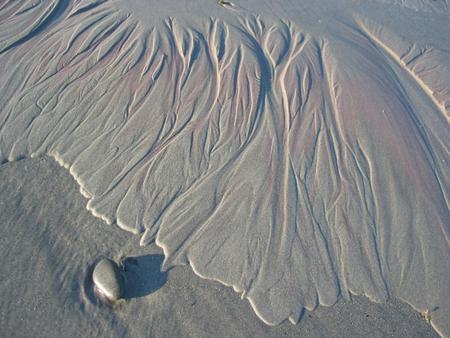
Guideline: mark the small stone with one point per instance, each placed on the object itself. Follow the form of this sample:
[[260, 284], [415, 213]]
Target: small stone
[[108, 280]]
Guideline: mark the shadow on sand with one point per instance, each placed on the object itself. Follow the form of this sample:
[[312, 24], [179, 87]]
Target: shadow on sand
[[143, 275]]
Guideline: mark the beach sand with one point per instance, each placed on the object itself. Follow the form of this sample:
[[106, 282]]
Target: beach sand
[[295, 152], [49, 243]]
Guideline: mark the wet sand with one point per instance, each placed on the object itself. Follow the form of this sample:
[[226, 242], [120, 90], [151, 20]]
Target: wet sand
[[49, 243], [294, 151]]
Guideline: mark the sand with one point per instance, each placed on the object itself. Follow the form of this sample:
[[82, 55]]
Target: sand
[[49, 246], [295, 151]]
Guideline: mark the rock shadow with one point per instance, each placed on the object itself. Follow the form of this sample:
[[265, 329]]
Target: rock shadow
[[143, 275]]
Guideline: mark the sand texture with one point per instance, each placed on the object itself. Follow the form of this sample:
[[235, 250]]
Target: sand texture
[[296, 151], [49, 247]]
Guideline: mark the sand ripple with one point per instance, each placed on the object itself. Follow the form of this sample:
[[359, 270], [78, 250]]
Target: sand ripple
[[297, 164]]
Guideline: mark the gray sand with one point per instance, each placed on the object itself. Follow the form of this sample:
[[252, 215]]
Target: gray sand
[[49, 241], [295, 151]]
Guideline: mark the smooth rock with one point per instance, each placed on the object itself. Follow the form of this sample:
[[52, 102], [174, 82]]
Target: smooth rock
[[108, 280]]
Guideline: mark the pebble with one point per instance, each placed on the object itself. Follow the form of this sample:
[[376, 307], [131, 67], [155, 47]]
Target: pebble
[[108, 280]]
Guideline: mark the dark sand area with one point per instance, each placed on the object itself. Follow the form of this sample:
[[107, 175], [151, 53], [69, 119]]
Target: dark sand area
[[49, 242]]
